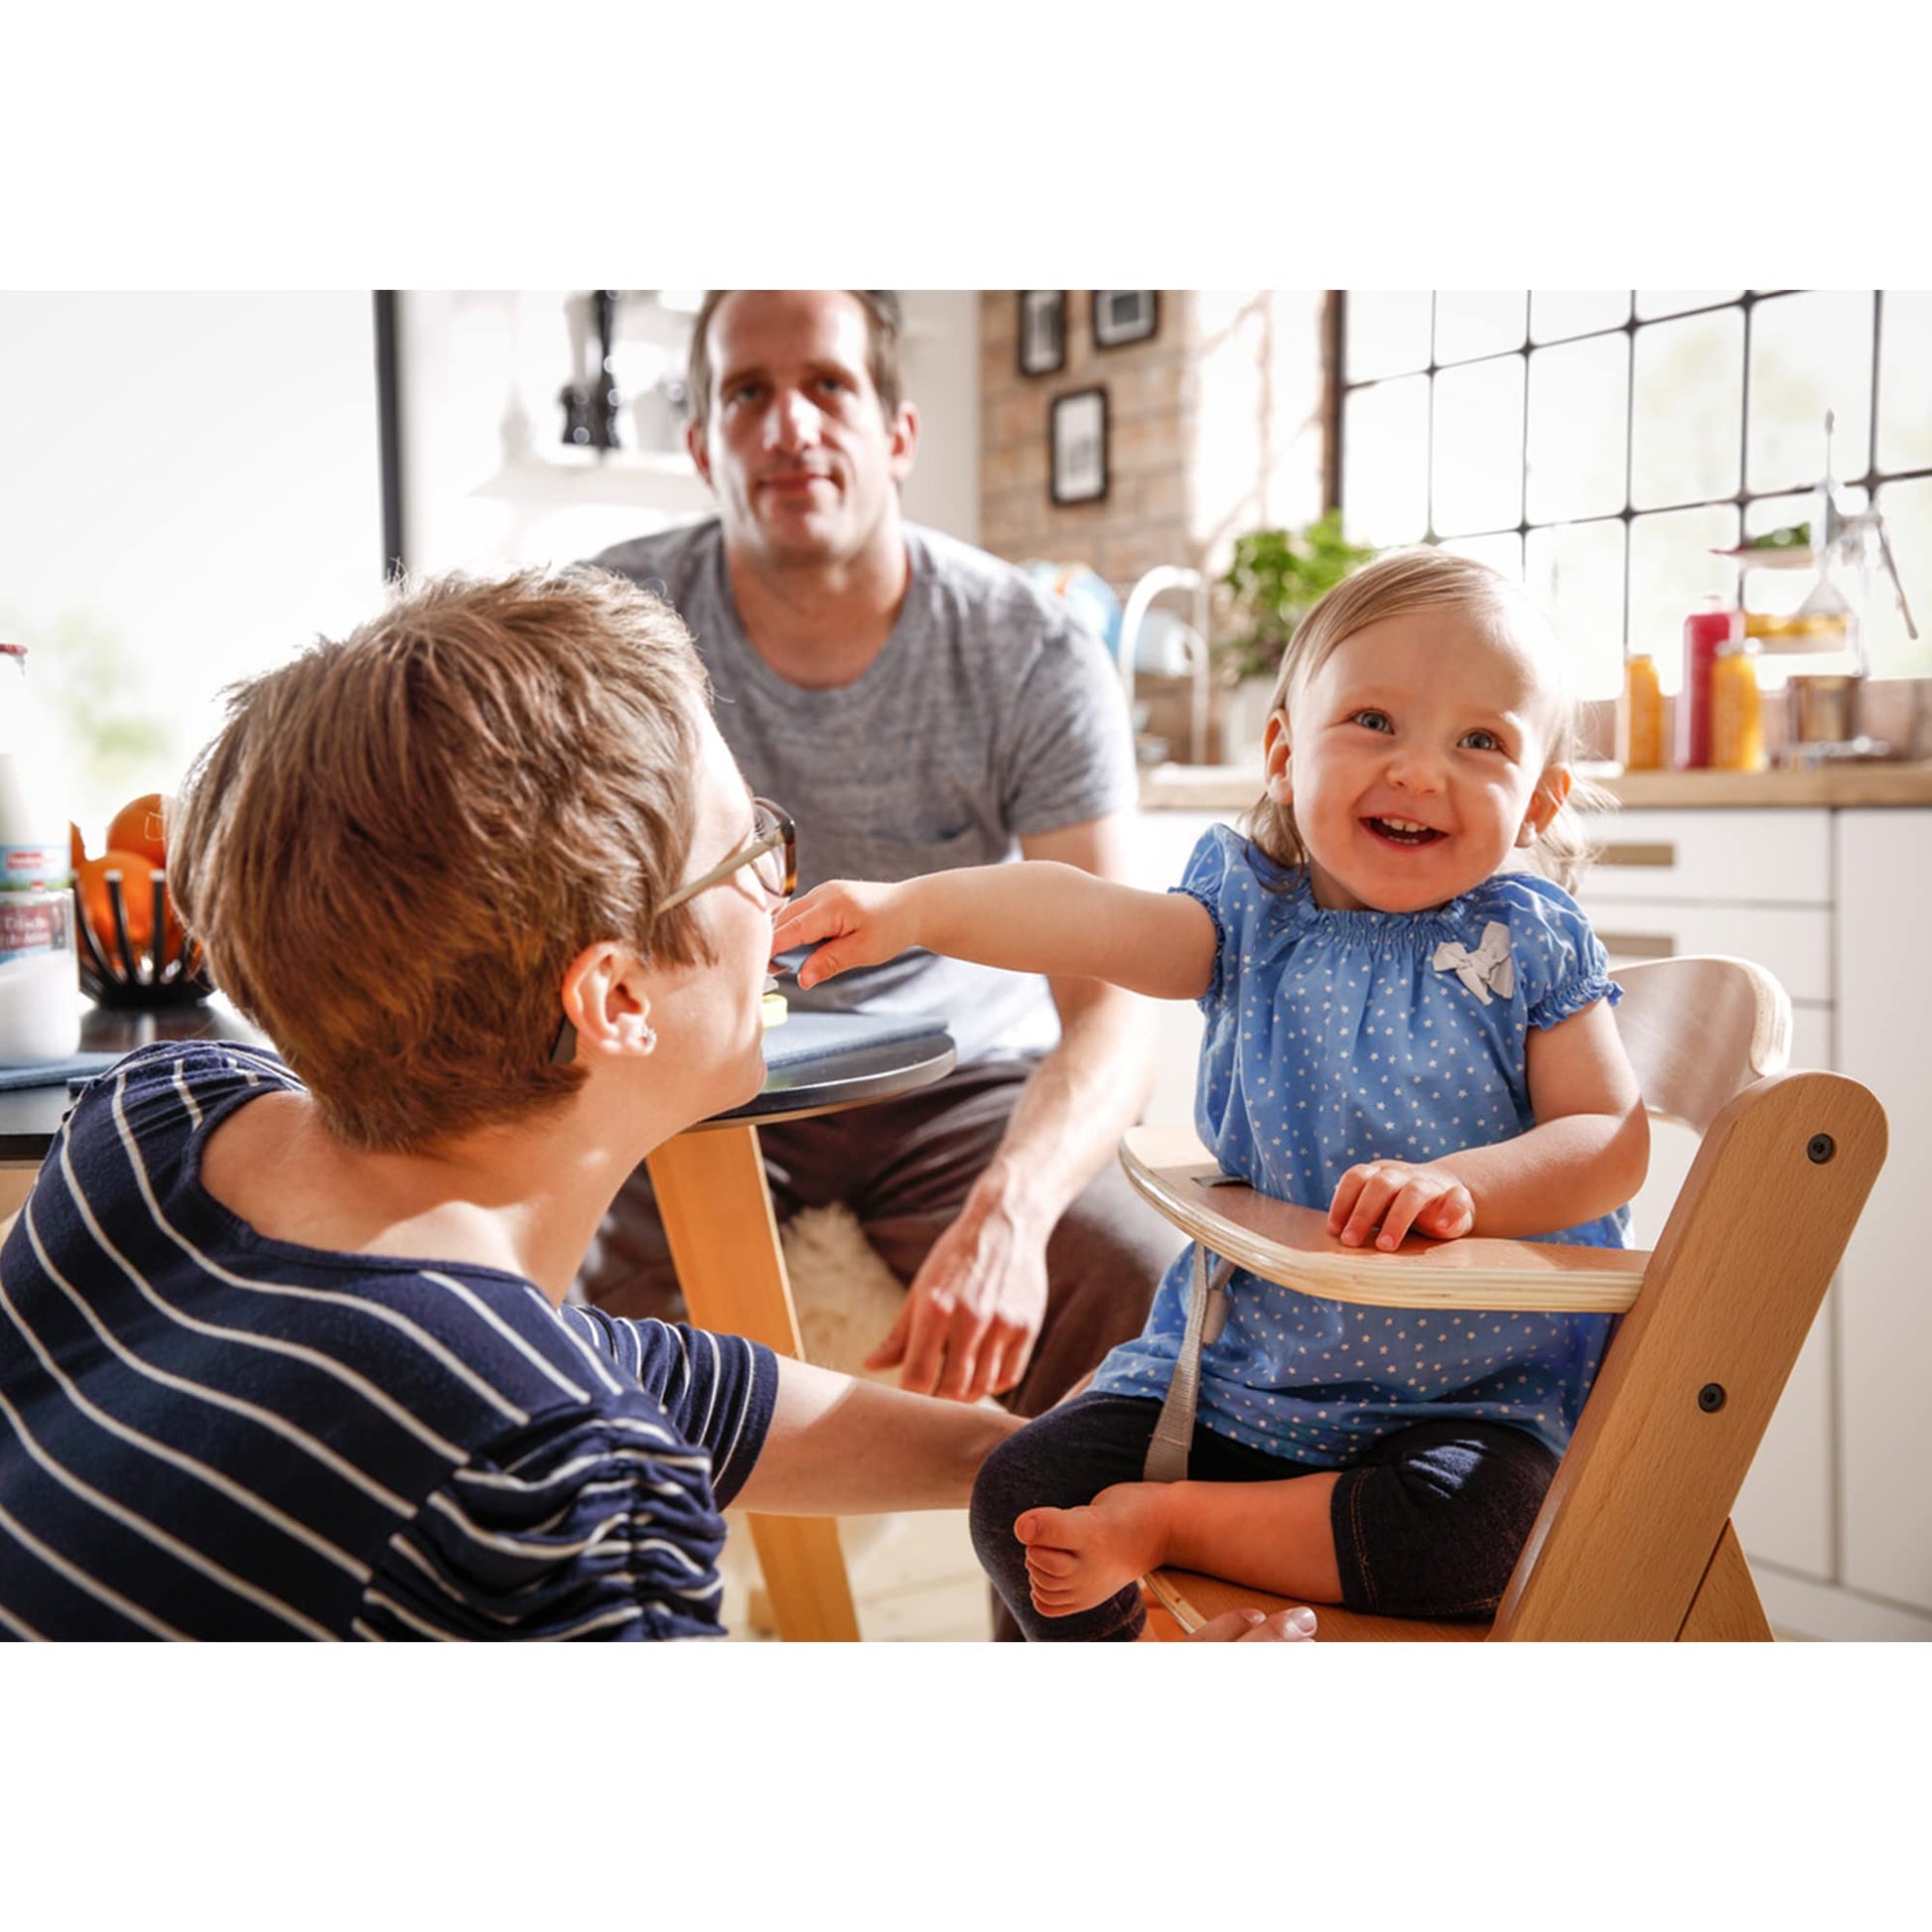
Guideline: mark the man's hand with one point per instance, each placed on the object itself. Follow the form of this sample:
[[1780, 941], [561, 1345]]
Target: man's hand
[[1399, 1196], [975, 1307], [850, 924]]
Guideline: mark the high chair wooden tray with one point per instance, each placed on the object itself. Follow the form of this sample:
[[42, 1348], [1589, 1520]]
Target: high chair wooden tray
[[1284, 1243]]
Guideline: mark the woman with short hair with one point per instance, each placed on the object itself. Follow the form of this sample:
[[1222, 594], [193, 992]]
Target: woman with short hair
[[282, 1342]]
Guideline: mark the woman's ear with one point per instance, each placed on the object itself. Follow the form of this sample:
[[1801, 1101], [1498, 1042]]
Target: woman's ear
[[1545, 802], [1277, 771], [605, 1000]]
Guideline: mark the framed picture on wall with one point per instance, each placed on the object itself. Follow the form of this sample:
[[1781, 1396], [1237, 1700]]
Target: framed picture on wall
[[1043, 330], [1121, 316], [1078, 447]]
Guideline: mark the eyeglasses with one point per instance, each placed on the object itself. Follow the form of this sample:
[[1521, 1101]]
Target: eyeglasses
[[771, 854]]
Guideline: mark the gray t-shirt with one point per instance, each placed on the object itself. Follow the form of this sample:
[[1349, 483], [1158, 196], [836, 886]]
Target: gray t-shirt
[[990, 713]]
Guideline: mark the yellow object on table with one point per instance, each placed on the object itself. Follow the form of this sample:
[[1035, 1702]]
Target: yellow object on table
[[772, 1011]]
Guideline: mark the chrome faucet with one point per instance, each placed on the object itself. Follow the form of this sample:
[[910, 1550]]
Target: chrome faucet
[[1172, 576]]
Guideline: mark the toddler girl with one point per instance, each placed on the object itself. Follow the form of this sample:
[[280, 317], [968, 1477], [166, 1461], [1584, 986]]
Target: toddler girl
[[1397, 1025]]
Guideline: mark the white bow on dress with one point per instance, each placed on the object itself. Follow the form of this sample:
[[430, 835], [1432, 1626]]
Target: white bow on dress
[[1489, 965]]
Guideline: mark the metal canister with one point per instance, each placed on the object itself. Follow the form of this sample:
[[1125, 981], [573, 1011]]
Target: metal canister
[[1825, 709]]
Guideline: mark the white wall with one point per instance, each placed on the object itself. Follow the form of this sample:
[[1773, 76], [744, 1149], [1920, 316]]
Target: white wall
[[942, 377], [190, 493], [487, 480]]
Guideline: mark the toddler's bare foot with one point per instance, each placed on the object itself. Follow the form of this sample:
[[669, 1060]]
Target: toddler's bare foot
[[1077, 1557]]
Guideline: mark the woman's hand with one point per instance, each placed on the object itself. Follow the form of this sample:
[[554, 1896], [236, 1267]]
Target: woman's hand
[[1399, 1196], [848, 922], [1250, 1626]]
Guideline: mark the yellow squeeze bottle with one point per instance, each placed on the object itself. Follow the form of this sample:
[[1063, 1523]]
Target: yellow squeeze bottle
[[1640, 717], [1736, 714]]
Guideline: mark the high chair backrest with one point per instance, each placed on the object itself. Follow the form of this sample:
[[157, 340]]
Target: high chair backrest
[[1633, 1540], [1699, 1030]]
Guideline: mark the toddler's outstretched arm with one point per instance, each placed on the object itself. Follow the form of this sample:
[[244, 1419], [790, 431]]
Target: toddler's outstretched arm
[[1029, 917], [1586, 1155]]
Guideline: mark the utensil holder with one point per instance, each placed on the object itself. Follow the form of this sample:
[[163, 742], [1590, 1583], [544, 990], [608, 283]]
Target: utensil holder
[[120, 975]]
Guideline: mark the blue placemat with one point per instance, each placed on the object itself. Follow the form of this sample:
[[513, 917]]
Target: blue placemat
[[813, 1035], [56, 1073]]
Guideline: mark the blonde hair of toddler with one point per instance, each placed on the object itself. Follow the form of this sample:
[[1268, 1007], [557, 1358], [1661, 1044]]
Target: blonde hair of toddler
[[1428, 579]]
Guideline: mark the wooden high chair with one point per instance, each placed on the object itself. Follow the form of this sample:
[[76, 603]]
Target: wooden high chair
[[1634, 1539]]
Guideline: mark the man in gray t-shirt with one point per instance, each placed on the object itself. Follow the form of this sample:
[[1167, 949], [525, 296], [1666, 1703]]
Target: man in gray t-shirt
[[916, 705], [991, 716]]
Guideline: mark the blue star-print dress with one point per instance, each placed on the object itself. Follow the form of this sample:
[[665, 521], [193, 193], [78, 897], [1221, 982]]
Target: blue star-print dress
[[1335, 1038]]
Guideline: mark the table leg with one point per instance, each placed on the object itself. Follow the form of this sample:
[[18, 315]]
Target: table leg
[[724, 1239]]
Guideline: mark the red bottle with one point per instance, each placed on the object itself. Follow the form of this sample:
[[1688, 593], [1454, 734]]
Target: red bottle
[[1705, 632]]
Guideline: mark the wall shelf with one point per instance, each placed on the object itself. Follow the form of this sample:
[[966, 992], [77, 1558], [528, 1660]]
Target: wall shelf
[[649, 478]]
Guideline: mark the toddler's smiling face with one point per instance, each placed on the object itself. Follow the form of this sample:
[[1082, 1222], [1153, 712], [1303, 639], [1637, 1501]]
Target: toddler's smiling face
[[1416, 757]]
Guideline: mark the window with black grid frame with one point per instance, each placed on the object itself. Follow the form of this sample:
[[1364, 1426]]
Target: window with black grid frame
[[1603, 448]]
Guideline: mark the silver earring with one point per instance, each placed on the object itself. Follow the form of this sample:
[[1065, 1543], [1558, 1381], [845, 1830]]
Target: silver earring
[[649, 1040]]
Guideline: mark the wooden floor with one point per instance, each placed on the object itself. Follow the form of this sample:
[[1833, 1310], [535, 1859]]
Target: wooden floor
[[914, 1580]]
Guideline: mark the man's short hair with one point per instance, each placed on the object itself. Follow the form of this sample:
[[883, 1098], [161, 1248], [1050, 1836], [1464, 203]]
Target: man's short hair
[[884, 320], [397, 842]]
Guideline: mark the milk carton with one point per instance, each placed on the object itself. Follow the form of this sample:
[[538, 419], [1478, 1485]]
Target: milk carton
[[40, 972]]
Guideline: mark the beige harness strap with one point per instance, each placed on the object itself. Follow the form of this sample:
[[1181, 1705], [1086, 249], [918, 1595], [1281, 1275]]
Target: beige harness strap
[[1174, 1432]]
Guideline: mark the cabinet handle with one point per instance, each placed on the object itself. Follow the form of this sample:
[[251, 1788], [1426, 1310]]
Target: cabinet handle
[[1637, 945], [1638, 855]]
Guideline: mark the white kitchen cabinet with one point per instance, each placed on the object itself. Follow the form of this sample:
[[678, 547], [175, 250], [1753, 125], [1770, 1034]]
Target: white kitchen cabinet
[[1742, 858], [1758, 885], [1884, 1335], [1836, 1511]]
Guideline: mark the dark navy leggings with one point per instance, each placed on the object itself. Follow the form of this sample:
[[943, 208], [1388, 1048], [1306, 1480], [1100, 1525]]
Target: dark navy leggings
[[1428, 1523]]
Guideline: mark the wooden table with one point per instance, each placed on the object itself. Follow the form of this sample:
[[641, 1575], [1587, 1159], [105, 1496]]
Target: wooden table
[[724, 1239], [716, 1207]]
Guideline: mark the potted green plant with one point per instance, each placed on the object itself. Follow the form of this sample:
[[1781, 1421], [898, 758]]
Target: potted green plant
[[1276, 577]]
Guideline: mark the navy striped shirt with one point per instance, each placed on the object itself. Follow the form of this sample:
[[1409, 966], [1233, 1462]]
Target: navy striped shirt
[[205, 1433]]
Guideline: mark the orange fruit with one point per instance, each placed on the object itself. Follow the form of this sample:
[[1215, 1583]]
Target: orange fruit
[[136, 827], [137, 898]]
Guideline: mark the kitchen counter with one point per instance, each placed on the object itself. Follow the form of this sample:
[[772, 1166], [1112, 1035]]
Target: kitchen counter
[[1234, 787]]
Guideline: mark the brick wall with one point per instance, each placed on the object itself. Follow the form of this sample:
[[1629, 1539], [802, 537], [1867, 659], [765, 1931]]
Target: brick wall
[[1213, 427]]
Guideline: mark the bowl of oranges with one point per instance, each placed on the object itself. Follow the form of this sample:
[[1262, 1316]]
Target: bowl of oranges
[[133, 951]]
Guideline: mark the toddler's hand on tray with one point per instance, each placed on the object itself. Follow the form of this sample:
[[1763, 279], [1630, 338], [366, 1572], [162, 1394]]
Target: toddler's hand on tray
[[1399, 1197]]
